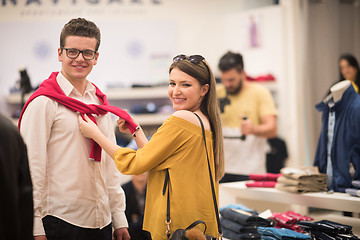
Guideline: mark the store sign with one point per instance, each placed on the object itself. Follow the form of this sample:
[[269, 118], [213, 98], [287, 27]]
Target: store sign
[[75, 2], [27, 10]]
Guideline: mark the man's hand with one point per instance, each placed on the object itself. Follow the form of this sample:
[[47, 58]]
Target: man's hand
[[121, 234], [246, 127], [42, 237], [266, 128]]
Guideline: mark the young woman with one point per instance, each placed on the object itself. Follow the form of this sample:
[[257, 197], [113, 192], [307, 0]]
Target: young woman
[[349, 70], [179, 147]]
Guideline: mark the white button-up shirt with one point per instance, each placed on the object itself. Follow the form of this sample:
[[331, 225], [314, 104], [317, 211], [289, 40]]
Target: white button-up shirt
[[66, 183]]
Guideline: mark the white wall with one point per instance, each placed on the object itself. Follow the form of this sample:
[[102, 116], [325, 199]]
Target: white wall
[[139, 38], [333, 29]]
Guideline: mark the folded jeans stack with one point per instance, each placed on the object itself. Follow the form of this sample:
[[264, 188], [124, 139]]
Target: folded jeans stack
[[328, 230], [355, 191], [242, 225], [301, 180], [271, 233], [289, 220], [263, 180]]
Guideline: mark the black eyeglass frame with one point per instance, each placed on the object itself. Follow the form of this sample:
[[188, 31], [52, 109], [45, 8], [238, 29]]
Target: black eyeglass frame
[[79, 51]]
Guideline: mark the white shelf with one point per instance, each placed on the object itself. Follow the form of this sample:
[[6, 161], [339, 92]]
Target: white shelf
[[151, 119], [229, 192], [15, 98], [271, 85], [137, 93], [113, 94]]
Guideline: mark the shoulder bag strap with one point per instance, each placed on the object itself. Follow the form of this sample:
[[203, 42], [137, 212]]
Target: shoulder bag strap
[[211, 179], [166, 185]]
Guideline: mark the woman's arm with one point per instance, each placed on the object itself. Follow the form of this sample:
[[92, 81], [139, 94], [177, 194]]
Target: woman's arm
[[90, 130], [139, 136]]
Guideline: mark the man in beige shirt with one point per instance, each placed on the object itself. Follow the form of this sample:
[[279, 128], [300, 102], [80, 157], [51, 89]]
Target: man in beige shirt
[[245, 143], [75, 197]]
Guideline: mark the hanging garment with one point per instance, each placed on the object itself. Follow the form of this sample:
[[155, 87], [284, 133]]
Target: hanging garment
[[346, 145]]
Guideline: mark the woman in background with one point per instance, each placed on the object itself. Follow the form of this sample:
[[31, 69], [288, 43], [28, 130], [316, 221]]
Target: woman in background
[[349, 70]]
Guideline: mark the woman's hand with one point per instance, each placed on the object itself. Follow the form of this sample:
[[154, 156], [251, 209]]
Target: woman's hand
[[122, 126], [88, 128]]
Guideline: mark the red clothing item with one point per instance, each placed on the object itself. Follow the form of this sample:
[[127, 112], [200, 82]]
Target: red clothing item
[[265, 177], [51, 89], [267, 184], [289, 220]]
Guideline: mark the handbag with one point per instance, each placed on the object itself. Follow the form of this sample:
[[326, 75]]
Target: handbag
[[182, 234]]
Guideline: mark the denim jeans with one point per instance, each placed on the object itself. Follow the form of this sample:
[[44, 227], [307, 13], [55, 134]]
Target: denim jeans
[[356, 183], [240, 207], [238, 228], [240, 236], [57, 229], [326, 226], [244, 219], [281, 233]]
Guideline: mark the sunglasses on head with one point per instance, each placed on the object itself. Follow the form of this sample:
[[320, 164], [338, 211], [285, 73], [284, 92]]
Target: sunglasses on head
[[193, 58]]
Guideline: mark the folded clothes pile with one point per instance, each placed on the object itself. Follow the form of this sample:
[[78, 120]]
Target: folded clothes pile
[[328, 230], [301, 180], [238, 224], [355, 191], [289, 220], [271, 233], [263, 180]]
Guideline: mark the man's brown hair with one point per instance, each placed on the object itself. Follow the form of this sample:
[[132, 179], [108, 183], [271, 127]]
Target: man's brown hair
[[80, 27]]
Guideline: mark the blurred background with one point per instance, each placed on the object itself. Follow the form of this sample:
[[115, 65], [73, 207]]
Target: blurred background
[[298, 42]]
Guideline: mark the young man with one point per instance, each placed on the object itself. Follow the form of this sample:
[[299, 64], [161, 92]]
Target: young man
[[75, 196], [249, 113]]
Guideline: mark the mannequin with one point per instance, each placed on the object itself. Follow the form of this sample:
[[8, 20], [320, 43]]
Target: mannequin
[[338, 89], [340, 144]]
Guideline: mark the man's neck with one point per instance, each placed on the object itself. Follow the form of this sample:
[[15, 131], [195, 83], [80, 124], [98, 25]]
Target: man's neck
[[79, 84]]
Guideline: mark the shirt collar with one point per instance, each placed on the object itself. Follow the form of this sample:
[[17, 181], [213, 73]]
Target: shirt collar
[[348, 96], [68, 88]]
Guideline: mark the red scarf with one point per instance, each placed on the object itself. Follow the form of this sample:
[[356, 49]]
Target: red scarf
[[51, 89]]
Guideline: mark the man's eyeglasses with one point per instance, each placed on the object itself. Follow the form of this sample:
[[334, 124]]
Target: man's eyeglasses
[[73, 53], [193, 58]]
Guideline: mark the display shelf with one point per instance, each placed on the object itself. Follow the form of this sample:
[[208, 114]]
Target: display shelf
[[112, 94], [271, 85], [151, 119], [230, 192], [137, 93], [125, 98], [15, 98]]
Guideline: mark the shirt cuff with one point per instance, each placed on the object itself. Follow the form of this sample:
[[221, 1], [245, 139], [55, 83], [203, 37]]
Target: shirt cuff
[[119, 220], [38, 227]]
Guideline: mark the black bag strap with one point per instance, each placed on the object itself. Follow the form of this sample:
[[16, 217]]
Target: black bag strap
[[197, 223], [211, 179], [168, 220], [166, 185]]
